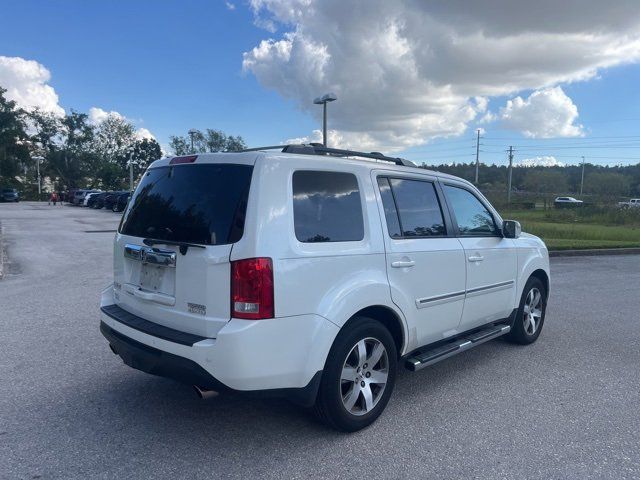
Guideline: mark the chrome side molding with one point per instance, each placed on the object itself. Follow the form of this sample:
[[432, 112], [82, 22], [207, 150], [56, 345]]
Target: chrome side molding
[[150, 255]]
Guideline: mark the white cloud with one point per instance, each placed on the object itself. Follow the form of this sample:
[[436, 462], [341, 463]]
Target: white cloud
[[546, 113], [230, 6], [544, 161], [98, 115], [407, 71], [143, 133], [26, 82]]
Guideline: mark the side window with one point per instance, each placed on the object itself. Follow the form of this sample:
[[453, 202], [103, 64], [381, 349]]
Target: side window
[[327, 207], [390, 211], [411, 207], [471, 215]]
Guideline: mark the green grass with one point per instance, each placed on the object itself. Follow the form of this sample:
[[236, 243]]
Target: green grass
[[569, 230]]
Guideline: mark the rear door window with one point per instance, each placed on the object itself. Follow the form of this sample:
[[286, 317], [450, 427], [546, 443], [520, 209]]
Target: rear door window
[[203, 204], [327, 207], [411, 207]]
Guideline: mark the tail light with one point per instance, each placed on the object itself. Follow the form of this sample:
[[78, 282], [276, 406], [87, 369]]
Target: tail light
[[252, 288]]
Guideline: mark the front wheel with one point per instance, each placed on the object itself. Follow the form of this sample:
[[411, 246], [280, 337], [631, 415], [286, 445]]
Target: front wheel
[[359, 376], [530, 315]]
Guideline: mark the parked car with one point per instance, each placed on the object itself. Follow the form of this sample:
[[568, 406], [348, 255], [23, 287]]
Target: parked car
[[70, 195], [111, 198], [633, 203], [567, 202], [93, 199], [121, 202], [97, 201], [9, 195], [303, 273], [90, 195], [79, 196]]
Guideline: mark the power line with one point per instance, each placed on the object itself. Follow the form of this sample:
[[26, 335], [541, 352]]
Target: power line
[[442, 149], [560, 138]]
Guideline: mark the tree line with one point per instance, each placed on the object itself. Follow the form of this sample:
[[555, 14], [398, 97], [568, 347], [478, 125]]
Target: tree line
[[73, 152], [601, 183]]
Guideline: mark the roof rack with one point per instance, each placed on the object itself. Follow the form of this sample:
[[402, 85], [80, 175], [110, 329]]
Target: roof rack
[[319, 149]]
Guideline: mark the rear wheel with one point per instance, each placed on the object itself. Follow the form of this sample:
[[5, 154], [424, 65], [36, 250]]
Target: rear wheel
[[359, 376], [530, 316]]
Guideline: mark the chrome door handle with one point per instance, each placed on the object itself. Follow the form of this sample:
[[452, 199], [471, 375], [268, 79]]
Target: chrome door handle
[[403, 264], [478, 258]]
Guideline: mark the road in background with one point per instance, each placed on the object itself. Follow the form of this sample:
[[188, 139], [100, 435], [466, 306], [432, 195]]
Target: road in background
[[565, 407]]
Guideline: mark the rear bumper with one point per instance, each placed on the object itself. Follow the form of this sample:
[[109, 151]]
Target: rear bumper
[[282, 357], [156, 362]]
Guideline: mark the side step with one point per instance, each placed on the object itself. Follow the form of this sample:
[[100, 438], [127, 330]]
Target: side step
[[429, 356]]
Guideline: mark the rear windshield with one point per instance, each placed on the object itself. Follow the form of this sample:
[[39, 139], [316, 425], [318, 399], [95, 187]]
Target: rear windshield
[[202, 204]]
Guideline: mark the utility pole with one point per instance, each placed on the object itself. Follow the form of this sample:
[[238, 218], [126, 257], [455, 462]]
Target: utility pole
[[477, 156], [510, 172], [582, 180]]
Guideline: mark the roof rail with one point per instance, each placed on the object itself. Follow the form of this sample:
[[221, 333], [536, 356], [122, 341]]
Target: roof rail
[[319, 149]]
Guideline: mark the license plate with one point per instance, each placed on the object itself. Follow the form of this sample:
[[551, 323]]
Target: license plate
[[151, 277]]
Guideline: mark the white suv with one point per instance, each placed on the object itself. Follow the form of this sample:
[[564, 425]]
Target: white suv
[[312, 273]]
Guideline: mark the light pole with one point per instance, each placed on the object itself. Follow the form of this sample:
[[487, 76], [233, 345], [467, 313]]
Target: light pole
[[323, 100], [131, 169], [192, 133], [38, 160]]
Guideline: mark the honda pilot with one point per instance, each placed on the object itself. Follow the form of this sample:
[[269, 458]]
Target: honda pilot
[[314, 274]]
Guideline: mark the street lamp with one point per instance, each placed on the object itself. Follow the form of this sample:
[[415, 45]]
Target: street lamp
[[38, 160], [329, 97], [131, 150], [192, 133]]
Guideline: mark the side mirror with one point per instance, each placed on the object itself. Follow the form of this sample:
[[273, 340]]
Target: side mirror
[[511, 229]]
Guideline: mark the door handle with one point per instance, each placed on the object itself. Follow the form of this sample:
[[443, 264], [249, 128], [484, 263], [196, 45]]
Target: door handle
[[477, 258], [403, 264]]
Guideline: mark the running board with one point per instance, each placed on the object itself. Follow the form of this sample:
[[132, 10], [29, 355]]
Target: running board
[[429, 356]]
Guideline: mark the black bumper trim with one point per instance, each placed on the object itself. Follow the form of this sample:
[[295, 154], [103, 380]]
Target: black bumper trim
[[150, 328], [164, 364]]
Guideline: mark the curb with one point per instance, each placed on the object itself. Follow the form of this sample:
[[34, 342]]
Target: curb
[[595, 252]]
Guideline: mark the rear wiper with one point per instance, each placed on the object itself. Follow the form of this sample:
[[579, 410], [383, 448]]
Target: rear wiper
[[184, 246]]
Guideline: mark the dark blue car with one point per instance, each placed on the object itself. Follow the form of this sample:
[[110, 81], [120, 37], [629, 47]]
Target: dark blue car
[[9, 195]]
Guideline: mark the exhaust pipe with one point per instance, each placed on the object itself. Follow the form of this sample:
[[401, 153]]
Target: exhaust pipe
[[203, 393]]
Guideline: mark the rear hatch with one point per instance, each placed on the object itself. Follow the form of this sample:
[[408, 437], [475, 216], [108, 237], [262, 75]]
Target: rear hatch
[[171, 257]]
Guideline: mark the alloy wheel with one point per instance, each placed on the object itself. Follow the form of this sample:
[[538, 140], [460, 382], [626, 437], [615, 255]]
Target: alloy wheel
[[364, 376], [532, 311]]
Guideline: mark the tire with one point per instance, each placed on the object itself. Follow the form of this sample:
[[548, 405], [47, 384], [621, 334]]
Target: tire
[[352, 405], [526, 328]]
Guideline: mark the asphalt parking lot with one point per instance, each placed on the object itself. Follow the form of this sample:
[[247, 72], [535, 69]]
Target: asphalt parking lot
[[565, 407]]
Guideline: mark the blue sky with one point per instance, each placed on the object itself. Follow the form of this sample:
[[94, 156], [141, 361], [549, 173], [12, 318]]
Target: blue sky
[[172, 66]]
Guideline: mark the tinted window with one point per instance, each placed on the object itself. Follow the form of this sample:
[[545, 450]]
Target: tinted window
[[418, 207], [202, 204], [326, 207], [471, 215], [390, 212]]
